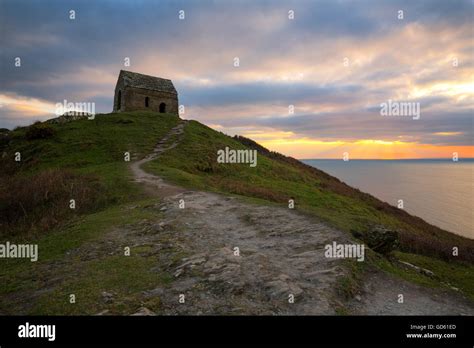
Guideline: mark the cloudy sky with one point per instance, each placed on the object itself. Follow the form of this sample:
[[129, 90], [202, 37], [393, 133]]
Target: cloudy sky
[[335, 62]]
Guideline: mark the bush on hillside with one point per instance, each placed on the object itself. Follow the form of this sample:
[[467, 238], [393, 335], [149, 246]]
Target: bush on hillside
[[379, 239], [38, 203], [39, 130], [4, 139]]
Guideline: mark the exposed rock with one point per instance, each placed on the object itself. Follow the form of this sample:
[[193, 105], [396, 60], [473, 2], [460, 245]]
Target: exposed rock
[[283, 287], [107, 297], [378, 238], [178, 272], [154, 292], [192, 262], [143, 311], [69, 117], [421, 270], [269, 269]]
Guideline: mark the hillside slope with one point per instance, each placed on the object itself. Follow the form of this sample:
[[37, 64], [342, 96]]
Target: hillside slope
[[83, 160], [82, 250], [277, 178]]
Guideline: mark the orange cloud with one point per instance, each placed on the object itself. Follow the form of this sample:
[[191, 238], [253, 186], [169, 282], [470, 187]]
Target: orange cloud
[[364, 149], [26, 107]]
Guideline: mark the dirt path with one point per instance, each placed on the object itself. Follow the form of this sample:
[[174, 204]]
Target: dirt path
[[380, 297], [280, 254], [154, 184]]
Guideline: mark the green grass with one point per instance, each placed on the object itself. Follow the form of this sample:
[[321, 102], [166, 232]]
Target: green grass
[[193, 164], [96, 147], [93, 146], [86, 147], [123, 276], [446, 274], [84, 143], [127, 275]]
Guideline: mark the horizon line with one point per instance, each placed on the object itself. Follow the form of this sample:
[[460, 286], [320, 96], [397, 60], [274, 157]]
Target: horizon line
[[387, 159]]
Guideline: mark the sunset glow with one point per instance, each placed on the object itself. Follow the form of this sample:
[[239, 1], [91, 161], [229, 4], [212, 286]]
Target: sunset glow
[[311, 87]]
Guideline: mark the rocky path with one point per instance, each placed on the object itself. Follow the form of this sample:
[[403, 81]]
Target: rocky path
[[248, 259], [381, 292], [242, 258], [154, 184]]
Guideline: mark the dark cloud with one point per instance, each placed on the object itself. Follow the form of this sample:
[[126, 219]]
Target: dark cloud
[[55, 51], [371, 125], [264, 93]]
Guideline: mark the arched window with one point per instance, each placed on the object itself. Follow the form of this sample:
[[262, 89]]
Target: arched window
[[119, 100], [147, 102], [162, 108]]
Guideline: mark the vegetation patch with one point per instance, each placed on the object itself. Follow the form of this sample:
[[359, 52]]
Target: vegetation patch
[[84, 161], [448, 275], [33, 204], [278, 178], [39, 130], [123, 277], [61, 267]]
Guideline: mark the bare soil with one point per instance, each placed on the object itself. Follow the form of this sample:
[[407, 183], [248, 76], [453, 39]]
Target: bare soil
[[280, 254]]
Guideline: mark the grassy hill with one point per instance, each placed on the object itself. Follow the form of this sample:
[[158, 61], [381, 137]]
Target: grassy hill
[[84, 160], [277, 178]]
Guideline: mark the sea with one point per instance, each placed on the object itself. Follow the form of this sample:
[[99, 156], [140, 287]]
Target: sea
[[440, 191]]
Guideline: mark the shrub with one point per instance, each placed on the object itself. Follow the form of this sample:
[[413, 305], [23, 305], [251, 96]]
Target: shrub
[[124, 121], [4, 139], [39, 130], [38, 203], [378, 238]]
